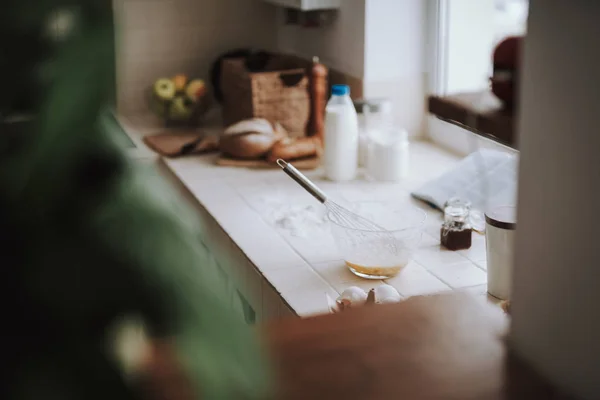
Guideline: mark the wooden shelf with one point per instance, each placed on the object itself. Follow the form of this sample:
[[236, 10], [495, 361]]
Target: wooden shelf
[[479, 112]]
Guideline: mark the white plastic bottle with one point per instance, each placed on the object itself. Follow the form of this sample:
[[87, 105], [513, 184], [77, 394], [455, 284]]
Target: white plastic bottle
[[341, 136]]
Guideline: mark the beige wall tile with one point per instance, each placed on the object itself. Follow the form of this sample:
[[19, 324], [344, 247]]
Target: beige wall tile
[[356, 84], [340, 44], [165, 37], [376, 47], [169, 13]]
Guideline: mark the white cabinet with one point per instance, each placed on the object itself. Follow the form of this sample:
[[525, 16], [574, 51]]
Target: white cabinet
[[308, 5]]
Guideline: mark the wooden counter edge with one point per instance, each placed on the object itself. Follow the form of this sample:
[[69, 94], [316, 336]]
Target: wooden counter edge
[[450, 346]]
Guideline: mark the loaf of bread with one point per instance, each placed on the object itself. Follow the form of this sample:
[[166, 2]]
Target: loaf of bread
[[251, 139], [292, 149]]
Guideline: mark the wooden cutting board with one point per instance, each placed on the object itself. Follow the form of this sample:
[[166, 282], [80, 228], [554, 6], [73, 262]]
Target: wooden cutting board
[[304, 163], [179, 143]]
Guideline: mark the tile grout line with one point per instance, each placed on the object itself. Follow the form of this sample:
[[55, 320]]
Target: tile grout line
[[426, 270], [446, 283], [309, 263], [291, 247]]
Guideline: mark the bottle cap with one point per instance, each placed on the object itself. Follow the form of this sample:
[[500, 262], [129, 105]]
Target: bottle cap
[[340, 90]]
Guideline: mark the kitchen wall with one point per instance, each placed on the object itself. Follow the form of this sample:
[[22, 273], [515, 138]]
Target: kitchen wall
[[395, 43], [376, 46], [340, 44], [158, 38], [379, 46]]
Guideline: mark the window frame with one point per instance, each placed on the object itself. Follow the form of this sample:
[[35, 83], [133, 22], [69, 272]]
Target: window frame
[[444, 134]]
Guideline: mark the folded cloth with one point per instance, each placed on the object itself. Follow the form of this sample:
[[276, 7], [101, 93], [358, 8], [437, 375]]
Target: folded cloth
[[175, 144]]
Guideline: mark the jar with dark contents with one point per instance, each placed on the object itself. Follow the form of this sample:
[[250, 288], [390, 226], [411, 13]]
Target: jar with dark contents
[[456, 229]]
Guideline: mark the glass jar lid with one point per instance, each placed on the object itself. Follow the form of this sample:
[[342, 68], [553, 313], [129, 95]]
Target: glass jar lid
[[456, 212]]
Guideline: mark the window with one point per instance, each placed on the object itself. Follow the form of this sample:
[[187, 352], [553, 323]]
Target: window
[[463, 36]]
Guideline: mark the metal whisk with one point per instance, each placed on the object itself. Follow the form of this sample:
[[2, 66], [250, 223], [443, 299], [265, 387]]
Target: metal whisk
[[339, 214]]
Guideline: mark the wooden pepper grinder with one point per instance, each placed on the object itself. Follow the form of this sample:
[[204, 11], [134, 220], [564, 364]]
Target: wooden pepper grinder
[[318, 94]]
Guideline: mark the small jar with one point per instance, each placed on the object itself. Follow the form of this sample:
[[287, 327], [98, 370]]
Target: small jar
[[373, 115], [456, 230], [388, 155]]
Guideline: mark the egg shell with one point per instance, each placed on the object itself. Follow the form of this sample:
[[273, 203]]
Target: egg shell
[[386, 294], [355, 295]]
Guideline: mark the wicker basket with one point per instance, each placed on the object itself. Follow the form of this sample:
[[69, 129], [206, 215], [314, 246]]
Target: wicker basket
[[280, 95]]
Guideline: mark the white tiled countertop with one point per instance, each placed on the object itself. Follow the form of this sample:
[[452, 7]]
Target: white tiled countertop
[[251, 206]]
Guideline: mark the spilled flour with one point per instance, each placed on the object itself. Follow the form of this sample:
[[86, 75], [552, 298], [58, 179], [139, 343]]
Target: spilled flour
[[300, 221], [283, 210]]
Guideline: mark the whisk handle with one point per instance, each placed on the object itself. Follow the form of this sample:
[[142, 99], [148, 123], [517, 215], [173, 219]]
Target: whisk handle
[[302, 180]]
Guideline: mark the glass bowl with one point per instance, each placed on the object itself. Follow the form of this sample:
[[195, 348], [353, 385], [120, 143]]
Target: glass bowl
[[383, 251]]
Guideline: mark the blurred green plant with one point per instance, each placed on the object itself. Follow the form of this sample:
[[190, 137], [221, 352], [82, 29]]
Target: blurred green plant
[[87, 237]]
